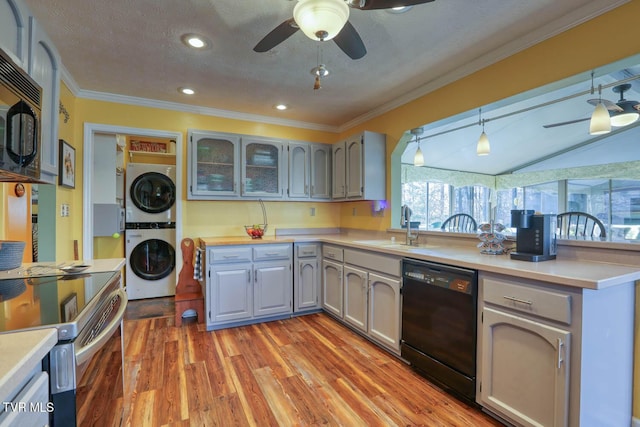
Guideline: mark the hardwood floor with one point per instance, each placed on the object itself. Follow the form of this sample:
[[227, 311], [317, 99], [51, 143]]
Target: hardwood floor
[[308, 370]]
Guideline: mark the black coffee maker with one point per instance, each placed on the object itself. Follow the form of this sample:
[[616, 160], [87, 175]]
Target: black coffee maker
[[536, 235]]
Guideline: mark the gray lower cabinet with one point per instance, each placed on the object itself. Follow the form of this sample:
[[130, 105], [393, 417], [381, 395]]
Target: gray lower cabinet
[[362, 289], [332, 289], [230, 293], [306, 279], [517, 351], [247, 284], [545, 350], [356, 297]]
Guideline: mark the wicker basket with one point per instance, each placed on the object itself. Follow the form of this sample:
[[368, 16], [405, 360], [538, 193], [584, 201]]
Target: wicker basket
[[11, 254]]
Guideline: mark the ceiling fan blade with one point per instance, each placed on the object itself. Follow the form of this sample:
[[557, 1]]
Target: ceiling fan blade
[[570, 122], [611, 106], [388, 4], [350, 42], [277, 36]]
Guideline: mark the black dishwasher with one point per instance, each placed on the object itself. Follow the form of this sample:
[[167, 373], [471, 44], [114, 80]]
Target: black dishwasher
[[439, 323]]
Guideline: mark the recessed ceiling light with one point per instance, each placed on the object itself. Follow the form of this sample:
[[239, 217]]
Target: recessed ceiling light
[[194, 40], [400, 9], [186, 91], [281, 107]]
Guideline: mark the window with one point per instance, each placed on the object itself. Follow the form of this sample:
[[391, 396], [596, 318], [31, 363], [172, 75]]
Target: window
[[615, 202], [433, 202]]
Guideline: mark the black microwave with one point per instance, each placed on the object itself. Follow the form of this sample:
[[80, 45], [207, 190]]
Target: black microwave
[[20, 112]]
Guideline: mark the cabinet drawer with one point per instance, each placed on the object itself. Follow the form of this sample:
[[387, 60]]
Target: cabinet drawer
[[267, 252], [222, 254], [539, 302], [304, 250], [373, 262], [333, 252]]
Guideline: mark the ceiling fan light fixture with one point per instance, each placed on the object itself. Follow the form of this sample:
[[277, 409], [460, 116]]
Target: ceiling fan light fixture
[[600, 121], [320, 71], [321, 19], [483, 148], [627, 116]]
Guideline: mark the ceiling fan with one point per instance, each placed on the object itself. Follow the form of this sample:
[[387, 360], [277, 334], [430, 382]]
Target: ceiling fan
[[323, 20], [622, 113]]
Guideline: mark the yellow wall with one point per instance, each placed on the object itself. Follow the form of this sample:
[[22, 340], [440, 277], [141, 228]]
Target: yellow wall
[[69, 229]]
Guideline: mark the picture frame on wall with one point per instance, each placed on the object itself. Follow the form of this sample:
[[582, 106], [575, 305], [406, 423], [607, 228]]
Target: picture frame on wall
[[69, 307], [67, 165]]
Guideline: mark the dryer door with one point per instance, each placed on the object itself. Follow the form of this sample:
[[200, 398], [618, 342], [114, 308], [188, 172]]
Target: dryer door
[[152, 259], [153, 192]]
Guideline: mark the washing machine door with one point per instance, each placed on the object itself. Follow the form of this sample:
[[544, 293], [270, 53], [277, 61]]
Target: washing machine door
[[152, 259], [153, 192]]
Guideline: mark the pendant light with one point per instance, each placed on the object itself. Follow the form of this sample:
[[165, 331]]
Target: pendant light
[[418, 159], [482, 148], [321, 20], [600, 121]]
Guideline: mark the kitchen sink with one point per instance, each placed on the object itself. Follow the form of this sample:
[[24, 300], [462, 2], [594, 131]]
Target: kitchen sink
[[393, 245]]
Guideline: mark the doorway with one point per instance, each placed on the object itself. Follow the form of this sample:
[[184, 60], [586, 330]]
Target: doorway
[[91, 131]]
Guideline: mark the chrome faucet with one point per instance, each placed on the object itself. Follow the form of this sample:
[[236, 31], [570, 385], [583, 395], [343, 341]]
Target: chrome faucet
[[405, 220]]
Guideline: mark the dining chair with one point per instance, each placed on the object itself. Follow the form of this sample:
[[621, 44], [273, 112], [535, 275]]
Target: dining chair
[[460, 222], [580, 224]]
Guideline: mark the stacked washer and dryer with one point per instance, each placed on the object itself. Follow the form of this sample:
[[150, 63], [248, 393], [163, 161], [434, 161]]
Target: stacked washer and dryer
[[150, 230]]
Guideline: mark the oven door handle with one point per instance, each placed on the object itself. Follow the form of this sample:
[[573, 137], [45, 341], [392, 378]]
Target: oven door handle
[[85, 353]]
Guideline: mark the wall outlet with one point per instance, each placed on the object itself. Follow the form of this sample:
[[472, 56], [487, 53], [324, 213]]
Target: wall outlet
[[354, 212], [312, 211], [64, 210]]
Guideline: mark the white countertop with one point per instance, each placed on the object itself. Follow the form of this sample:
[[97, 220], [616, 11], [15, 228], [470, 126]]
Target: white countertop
[[575, 273], [20, 352], [35, 269]]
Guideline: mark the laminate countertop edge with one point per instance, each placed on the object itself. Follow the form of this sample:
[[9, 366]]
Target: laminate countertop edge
[[20, 352], [567, 272]]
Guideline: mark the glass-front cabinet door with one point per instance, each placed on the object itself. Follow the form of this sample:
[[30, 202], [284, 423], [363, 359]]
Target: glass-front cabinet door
[[214, 164], [262, 168]]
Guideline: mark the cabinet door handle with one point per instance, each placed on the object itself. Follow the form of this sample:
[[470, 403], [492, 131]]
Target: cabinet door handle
[[229, 256], [514, 299], [271, 254], [560, 347], [255, 276], [249, 276], [331, 255]]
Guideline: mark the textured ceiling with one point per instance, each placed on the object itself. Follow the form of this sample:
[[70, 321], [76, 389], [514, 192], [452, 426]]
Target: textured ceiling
[[133, 48]]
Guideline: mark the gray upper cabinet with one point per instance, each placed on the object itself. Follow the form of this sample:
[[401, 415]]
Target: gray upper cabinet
[[320, 171], [262, 168], [299, 170], [339, 182], [359, 167], [14, 31], [44, 68], [309, 172], [214, 165], [224, 166]]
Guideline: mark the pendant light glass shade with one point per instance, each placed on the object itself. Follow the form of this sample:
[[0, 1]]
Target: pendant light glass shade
[[483, 148], [321, 19], [600, 120], [627, 116], [418, 159]]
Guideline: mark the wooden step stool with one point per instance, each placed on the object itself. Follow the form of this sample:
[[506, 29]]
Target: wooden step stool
[[188, 290]]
